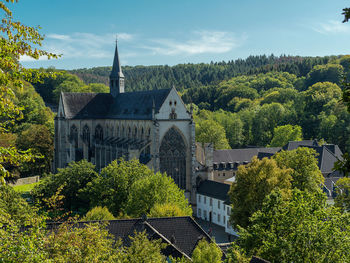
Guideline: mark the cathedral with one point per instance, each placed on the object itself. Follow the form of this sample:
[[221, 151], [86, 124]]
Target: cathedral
[[152, 126]]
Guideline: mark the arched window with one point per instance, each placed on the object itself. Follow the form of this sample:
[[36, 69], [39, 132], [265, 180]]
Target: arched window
[[129, 132], [135, 132], [148, 134], [172, 154], [74, 135], [99, 133], [142, 133], [86, 134]]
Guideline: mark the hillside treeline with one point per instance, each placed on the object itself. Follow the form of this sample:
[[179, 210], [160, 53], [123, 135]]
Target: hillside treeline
[[186, 76], [247, 100]]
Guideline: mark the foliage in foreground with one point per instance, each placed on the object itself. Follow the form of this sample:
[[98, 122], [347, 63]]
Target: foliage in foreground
[[302, 229], [16, 41], [125, 188], [98, 213], [285, 170], [253, 183]]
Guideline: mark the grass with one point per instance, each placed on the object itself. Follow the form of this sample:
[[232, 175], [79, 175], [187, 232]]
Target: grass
[[24, 189]]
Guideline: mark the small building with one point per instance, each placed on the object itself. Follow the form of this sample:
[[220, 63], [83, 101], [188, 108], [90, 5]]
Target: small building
[[181, 234], [226, 162], [213, 204]]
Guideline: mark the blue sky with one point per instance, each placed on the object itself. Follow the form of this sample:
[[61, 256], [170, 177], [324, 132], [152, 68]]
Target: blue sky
[[159, 32]]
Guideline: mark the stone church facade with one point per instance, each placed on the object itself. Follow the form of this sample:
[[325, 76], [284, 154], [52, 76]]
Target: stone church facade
[[152, 126]]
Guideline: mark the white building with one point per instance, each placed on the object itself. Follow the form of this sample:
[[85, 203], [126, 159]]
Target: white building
[[213, 204]]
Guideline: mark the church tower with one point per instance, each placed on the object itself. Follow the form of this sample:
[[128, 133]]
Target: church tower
[[116, 78]]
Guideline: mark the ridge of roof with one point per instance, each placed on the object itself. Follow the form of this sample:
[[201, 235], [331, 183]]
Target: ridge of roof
[[128, 105]]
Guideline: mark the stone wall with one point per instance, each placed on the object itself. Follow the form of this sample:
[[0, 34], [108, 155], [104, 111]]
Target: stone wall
[[26, 180]]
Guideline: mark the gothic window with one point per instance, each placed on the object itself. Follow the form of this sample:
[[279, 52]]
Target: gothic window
[[129, 132], [99, 134], [86, 134], [74, 135], [172, 154], [142, 133], [135, 132], [172, 115], [148, 133]]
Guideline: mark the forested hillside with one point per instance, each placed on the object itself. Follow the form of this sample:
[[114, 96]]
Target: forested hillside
[[185, 76], [259, 101]]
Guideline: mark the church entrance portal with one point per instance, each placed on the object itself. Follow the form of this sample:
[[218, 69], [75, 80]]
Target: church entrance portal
[[172, 154]]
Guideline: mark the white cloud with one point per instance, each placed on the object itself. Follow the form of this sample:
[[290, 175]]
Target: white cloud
[[332, 27], [80, 45], [201, 42]]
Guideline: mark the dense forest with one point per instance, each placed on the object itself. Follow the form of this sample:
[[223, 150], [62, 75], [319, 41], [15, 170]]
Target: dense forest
[[243, 102], [186, 76]]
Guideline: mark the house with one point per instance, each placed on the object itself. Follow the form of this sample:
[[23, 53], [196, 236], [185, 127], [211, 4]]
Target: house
[[181, 234], [213, 204], [226, 162]]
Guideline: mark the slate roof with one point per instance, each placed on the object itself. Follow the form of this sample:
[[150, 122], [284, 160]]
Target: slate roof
[[240, 155], [214, 189], [292, 145], [129, 105], [180, 233], [328, 154]]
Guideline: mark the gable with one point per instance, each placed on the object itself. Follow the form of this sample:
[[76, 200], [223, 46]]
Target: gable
[[173, 104]]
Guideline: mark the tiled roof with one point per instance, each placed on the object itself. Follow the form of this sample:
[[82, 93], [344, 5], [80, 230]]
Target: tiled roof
[[214, 189], [240, 155], [292, 145], [180, 233], [128, 105]]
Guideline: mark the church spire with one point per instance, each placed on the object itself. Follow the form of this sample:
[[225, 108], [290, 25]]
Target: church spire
[[116, 77]]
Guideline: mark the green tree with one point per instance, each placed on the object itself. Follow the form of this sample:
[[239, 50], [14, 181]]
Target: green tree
[[16, 41], [253, 183], [73, 181], [13, 208], [266, 119], [143, 250], [284, 134], [323, 73], [154, 189], [98, 213], [112, 188], [320, 97], [39, 139], [342, 199], [301, 229], [168, 210], [71, 84], [92, 243], [306, 175], [33, 107], [206, 252], [209, 131], [235, 254]]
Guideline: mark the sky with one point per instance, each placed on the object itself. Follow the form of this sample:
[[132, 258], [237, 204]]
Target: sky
[[164, 32]]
